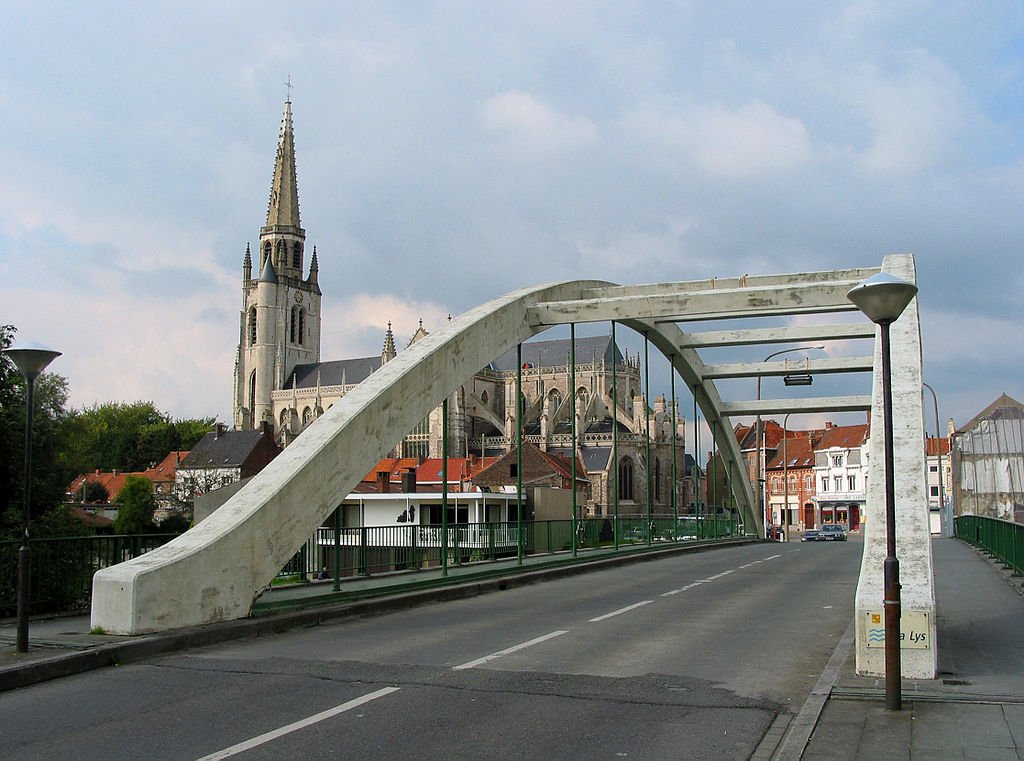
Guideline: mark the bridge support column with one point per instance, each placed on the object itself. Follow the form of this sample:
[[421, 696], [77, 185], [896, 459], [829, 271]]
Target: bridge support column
[[914, 550]]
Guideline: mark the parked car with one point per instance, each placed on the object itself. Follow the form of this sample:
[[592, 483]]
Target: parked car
[[831, 532], [810, 535]]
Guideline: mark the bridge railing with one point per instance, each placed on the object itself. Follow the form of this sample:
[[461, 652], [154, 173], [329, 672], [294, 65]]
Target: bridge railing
[[367, 550], [1003, 540], [62, 568]]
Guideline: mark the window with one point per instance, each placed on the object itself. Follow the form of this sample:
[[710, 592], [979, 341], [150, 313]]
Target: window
[[775, 485], [809, 482], [297, 255], [933, 468], [657, 480], [291, 326], [933, 491], [266, 255], [626, 478], [851, 482], [837, 461], [839, 483], [252, 326], [297, 329], [252, 398], [824, 483], [280, 254]]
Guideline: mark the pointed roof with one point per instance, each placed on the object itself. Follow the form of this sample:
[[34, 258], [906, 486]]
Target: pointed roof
[[269, 274], [1003, 407], [388, 352], [283, 207]]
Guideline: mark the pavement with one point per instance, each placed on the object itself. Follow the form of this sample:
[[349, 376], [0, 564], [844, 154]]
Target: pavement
[[974, 710]]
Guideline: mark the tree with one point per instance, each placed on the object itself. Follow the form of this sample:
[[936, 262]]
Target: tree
[[50, 467], [175, 523], [135, 506]]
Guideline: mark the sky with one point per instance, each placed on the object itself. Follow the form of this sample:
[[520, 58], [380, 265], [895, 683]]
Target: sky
[[450, 152]]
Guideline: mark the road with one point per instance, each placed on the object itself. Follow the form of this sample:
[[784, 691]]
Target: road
[[690, 657]]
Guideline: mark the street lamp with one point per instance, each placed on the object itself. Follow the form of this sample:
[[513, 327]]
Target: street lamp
[[759, 438], [883, 298], [938, 454], [31, 359]]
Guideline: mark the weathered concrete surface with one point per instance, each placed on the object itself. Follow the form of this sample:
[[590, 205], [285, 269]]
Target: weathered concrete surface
[[914, 549], [214, 571]]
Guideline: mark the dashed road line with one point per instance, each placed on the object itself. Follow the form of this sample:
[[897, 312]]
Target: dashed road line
[[620, 611], [507, 650], [297, 725]]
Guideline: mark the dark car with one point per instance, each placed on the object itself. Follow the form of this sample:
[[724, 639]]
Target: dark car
[[831, 532], [810, 535]]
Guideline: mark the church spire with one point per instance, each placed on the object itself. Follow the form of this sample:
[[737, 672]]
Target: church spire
[[283, 207], [388, 352]]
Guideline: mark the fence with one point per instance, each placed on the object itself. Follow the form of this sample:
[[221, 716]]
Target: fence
[[62, 568], [365, 550], [1004, 540]]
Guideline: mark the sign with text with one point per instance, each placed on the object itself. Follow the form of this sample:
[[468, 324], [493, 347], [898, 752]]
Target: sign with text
[[914, 630]]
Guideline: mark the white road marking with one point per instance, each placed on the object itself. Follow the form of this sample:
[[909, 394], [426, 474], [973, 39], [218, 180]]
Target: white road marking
[[683, 589], [507, 650], [302, 723], [620, 611]]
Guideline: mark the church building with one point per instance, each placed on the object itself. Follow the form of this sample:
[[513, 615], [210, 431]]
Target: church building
[[281, 380]]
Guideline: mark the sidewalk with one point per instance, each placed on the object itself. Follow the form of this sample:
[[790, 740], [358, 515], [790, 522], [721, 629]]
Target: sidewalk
[[974, 709]]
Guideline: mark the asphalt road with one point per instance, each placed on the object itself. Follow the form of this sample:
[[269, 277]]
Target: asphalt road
[[691, 657]]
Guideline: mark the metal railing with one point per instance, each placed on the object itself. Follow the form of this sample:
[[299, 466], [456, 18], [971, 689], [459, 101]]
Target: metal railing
[[1003, 540], [62, 568], [368, 550]]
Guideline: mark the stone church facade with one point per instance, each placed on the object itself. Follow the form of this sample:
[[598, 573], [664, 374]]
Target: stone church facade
[[280, 378]]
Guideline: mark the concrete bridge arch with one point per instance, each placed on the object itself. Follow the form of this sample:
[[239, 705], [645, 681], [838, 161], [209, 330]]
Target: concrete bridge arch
[[214, 571]]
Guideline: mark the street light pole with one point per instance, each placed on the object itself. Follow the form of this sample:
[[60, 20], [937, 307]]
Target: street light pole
[[883, 298], [759, 442], [938, 453], [31, 359]]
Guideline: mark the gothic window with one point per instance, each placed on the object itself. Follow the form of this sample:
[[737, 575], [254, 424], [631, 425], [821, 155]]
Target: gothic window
[[554, 400], [307, 416], [252, 326], [293, 324], [625, 478], [302, 325], [483, 397], [280, 254], [252, 398], [297, 255], [266, 255]]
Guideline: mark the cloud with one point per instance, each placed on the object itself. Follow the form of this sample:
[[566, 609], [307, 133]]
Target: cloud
[[729, 144], [913, 115], [525, 120]]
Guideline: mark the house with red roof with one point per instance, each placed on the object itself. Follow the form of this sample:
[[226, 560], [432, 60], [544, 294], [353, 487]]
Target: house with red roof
[[841, 474]]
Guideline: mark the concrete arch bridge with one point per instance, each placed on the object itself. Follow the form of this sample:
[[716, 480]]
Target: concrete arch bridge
[[215, 570]]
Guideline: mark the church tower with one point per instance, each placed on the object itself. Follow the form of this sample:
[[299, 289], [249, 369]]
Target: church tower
[[279, 326]]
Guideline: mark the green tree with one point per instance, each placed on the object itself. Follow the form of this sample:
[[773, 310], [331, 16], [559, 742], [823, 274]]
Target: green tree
[[93, 491], [135, 506], [50, 471]]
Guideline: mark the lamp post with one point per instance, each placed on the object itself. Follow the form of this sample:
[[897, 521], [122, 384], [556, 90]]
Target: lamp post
[[938, 454], [31, 359], [883, 298], [759, 441]]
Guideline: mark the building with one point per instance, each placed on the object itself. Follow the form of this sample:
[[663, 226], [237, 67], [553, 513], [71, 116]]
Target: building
[[222, 458], [280, 380], [163, 476], [988, 462], [790, 481], [841, 474]]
